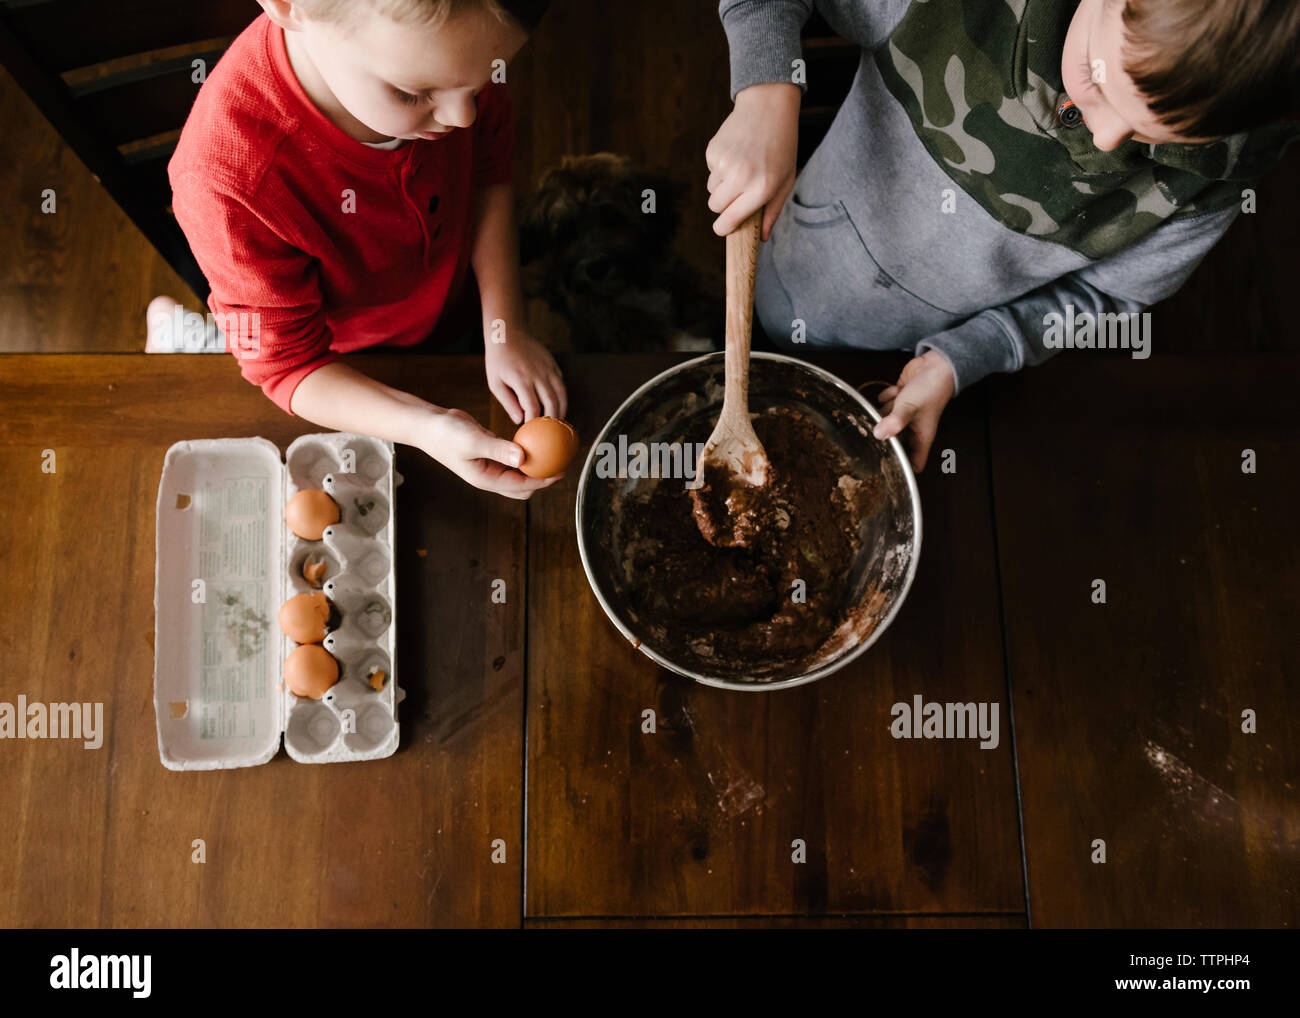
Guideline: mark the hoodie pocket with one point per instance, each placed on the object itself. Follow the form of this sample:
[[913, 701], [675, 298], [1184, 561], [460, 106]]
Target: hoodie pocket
[[838, 290]]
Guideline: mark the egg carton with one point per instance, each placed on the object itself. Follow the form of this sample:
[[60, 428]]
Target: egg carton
[[226, 561]]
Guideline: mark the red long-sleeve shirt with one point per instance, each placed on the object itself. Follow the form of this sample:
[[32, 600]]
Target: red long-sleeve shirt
[[262, 185]]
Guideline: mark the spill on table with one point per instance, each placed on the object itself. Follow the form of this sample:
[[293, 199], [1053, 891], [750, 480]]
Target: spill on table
[[674, 710], [1207, 800], [929, 843], [737, 793]]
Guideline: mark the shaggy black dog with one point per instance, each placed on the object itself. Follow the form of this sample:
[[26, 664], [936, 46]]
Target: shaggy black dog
[[603, 261]]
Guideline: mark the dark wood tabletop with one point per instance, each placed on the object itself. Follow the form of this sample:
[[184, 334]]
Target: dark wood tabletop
[[522, 723]]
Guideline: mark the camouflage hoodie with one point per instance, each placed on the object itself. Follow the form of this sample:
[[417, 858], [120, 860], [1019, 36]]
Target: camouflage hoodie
[[947, 209], [981, 83]]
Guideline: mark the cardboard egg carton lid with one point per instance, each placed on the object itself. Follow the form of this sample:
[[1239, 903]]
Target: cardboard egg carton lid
[[223, 567]]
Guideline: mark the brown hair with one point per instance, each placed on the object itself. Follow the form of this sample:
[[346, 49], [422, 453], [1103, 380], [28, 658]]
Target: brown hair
[[1210, 68], [523, 14]]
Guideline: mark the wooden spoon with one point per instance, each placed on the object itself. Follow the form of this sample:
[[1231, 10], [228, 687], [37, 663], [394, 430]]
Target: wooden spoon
[[724, 507]]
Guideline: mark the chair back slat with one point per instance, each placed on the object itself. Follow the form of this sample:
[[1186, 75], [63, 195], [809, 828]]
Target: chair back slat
[[66, 34], [117, 81], [141, 102]]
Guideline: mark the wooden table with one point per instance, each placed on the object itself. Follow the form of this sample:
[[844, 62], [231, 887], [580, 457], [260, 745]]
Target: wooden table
[[523, 720]]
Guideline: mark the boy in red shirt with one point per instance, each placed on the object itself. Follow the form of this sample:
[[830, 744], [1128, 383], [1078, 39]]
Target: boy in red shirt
[[345, 166]]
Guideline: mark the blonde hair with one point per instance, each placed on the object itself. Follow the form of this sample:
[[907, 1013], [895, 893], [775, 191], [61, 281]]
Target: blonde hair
[[418, 12]]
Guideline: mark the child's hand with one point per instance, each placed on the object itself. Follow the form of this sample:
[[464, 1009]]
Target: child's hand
[[524, 377], [470, 451], [751, 158], [916, 402]]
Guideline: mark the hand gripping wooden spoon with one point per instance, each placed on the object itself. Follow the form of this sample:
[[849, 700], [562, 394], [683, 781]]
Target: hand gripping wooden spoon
[[734, 468]]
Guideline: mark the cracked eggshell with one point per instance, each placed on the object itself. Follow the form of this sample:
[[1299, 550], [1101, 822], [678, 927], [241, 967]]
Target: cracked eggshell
[[305, 617], [314, 569], [310, 671], [309, 512]]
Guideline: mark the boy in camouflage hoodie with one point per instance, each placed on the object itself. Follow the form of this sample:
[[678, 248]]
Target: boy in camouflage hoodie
[[997, 165]]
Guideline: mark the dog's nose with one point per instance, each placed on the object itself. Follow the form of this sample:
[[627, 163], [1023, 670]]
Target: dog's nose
[[599, 269]]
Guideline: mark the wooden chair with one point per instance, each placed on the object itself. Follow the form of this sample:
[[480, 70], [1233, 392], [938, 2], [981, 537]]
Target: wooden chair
[[117, 79]]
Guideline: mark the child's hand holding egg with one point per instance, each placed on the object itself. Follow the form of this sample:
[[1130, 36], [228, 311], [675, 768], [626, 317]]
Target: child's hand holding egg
[[548, 444], [493, 463]]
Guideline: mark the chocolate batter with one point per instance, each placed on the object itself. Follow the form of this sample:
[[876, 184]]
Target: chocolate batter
[[730, 511], [737, 610]]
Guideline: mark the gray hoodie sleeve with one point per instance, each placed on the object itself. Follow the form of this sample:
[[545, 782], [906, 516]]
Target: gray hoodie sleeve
[[763, 36], [1009, 337]]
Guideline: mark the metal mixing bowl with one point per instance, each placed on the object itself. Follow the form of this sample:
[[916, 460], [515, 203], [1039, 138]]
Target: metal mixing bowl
[[661, 411]]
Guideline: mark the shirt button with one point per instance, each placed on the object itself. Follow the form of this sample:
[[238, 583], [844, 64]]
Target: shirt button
[[1069, 114]]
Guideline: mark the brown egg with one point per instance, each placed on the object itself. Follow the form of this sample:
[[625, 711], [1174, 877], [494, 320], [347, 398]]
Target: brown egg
[[309, 512], [548, 446], [310, 671], [305, 617]]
